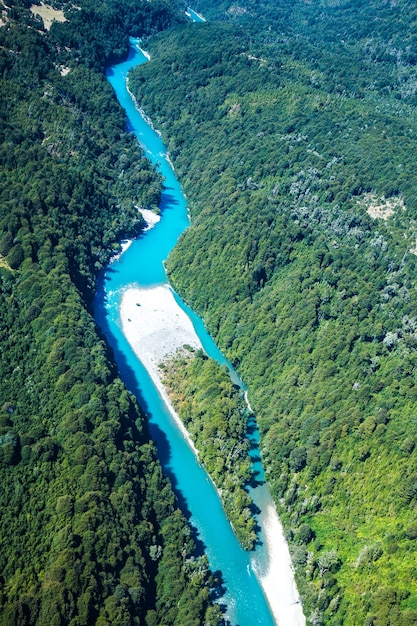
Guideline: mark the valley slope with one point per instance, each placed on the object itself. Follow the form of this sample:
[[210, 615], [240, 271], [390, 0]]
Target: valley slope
[[293, 130], [90, 530]]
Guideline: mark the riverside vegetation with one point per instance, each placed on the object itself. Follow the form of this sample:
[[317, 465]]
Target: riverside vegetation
[[90, 532], [216, 416], [292, 127]]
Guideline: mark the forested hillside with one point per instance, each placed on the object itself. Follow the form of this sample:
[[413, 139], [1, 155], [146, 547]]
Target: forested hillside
[[293, 129], [90, 532]]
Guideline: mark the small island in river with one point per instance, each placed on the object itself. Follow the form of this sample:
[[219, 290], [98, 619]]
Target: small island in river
[[157, 328]]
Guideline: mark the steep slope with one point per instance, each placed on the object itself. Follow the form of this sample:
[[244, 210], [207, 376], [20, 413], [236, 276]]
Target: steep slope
[[90, 532], [296, 152]]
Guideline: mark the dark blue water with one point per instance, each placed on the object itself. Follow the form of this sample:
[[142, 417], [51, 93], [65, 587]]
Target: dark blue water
[[142, 264]]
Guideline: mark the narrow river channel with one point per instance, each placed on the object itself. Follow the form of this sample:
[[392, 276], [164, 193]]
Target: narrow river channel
[[142, 265]]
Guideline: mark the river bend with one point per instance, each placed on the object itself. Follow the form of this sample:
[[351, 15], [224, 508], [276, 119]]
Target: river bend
[[142, 265]]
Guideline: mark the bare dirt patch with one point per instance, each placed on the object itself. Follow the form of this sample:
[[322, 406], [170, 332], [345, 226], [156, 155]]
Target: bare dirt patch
[[234, 110], [3, 14], [236, 11], [48, 14], [4, 263], [413, 250], [253, 58], [379, 207]]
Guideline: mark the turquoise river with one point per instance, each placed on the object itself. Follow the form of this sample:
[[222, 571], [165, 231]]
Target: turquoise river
[[142, 264]]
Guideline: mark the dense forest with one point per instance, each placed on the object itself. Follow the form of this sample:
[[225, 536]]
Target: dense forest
[[90, 531], [292, 127]]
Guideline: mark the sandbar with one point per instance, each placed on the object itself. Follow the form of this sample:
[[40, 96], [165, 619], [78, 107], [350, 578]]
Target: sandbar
[[156, 327], [277, 575], [151, 218]]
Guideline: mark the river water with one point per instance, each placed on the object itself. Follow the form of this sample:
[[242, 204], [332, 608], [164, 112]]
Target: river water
[[142, 264]]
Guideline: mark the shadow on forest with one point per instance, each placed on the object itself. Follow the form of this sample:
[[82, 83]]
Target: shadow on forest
[[127, 374]]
